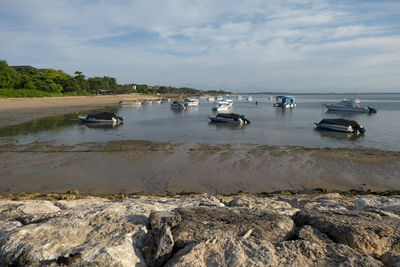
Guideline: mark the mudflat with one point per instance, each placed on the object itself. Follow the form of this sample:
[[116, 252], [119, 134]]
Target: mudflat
[[142, 166]]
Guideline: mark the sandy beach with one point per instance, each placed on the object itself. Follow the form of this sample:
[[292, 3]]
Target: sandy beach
[[18, 110]]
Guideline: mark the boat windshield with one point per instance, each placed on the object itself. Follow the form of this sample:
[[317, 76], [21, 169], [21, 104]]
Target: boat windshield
[[350, 102]]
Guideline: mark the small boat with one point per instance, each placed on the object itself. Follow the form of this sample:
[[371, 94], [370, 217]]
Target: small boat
[[131, 102], [349, 105], [102, 117], [164, 100], [156, 101], [178, 105], [239, 97], [249, 98], [229, 118], [210, 99], [222, 105], [341, 125], [147, 102], [284, 101], [192, 101]]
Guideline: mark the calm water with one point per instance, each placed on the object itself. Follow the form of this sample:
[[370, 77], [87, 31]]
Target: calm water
[[270, 126]]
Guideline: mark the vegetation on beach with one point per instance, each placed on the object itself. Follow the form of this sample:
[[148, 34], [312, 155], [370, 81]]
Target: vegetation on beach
[[27, 81]]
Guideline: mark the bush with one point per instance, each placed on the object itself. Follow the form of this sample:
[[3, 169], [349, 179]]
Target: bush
[[6, 93]]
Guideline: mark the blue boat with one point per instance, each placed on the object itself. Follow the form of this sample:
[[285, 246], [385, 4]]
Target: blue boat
[[285, 101]]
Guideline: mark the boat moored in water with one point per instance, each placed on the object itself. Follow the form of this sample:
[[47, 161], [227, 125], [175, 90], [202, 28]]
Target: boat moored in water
[[229, 118], [341, 125], [101, 117], [285, 101], [156, 101], [192, 101], [349, 105], [178, 105], [131, 102], [222, 105]]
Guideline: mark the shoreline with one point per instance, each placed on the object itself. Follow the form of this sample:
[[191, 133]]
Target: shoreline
[[74, 194], [19, 110]]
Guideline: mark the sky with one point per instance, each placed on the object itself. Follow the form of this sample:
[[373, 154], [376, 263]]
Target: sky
[[235, 45]]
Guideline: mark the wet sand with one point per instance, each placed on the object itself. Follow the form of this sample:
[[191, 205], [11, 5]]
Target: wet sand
[[18, 110], [140, 166]]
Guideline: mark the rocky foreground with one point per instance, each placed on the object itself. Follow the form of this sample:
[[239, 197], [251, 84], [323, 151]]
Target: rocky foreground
[[202, 230]]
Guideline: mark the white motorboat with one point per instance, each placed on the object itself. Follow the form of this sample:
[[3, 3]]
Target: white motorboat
[[222, 105], [340, 125], [349, 105], [178, 105], [156, 101], [192, 101], [229, 118], [147, 102], [249, 98], [131, 102], [211, 98], [102, 117]]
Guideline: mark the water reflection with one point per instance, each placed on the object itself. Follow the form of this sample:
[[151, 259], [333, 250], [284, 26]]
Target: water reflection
[[284, 112], [337, 135], [104, 126], [225, 126], [349, 115]]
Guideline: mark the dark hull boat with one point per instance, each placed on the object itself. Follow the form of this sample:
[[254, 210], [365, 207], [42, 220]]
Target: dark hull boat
[[102, 117], [229, 118], [340, 125]]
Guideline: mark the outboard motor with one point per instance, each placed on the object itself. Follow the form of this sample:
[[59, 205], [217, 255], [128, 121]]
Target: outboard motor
[[246, 121], [359, 128], [371, 109], [118, 117]]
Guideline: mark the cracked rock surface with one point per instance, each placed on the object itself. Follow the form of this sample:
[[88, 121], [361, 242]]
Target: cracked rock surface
[[202, 230]]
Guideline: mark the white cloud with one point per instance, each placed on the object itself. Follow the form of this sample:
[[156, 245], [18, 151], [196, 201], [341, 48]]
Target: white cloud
[[299, 44]]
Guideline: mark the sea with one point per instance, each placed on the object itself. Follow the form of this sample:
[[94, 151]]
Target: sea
[[269, 125]]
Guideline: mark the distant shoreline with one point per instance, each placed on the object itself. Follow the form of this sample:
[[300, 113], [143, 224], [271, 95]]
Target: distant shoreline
[[336, 93]]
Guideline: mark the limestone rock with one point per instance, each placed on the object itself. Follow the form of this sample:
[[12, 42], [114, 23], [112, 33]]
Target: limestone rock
[[201, 223], [281, 207], [388, 204], [391, 259], [200, 230], [232, 251], [159, 243], [104, 235], [190, 225], [312, 234], [368, 233], [18, 209]]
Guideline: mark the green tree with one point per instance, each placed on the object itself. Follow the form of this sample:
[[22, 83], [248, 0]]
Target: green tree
[[9, 78], [81, 82]]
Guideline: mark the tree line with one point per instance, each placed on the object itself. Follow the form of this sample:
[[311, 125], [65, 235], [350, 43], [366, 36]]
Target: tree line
[[29, 81]]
